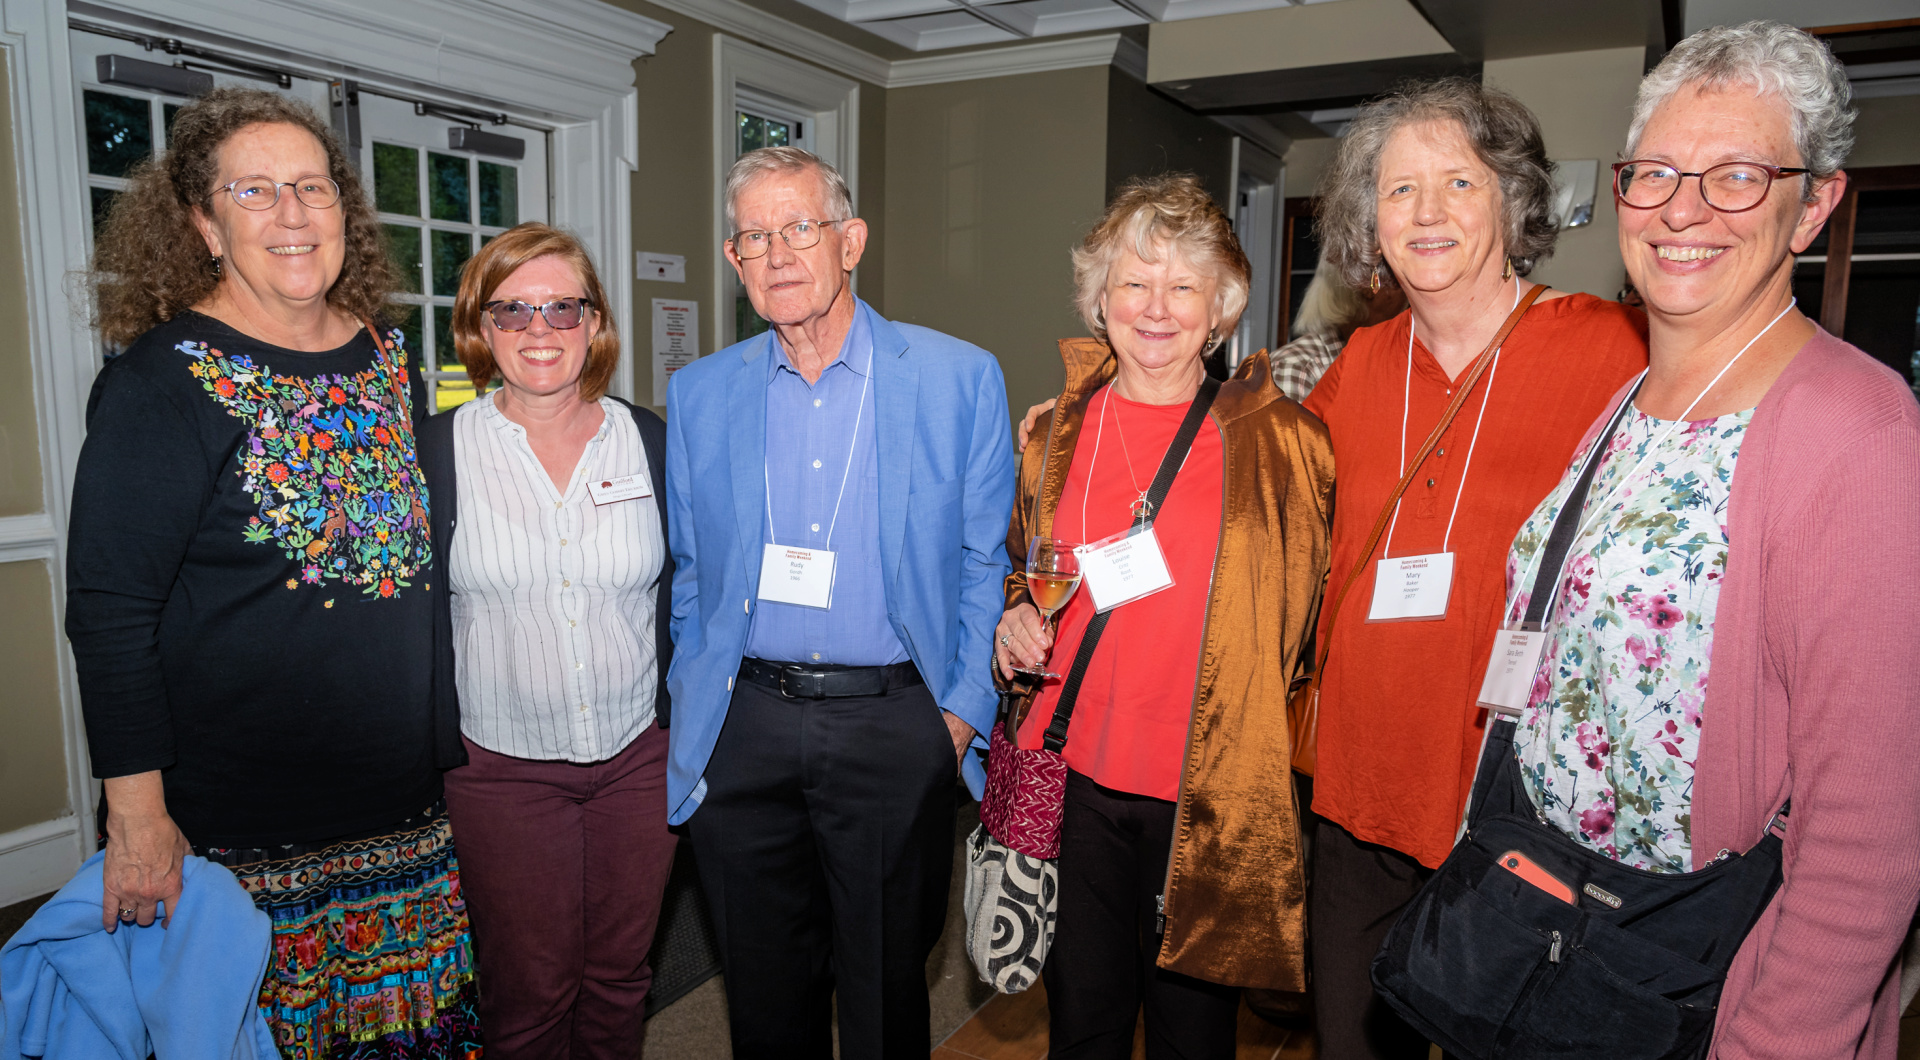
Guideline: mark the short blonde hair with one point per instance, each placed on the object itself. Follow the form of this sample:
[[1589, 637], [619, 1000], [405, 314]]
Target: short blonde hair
[[1148, 215], [487, 270], [1328, 305]]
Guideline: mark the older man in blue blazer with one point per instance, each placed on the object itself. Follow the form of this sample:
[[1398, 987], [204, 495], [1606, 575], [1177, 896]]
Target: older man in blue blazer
[[838, 493]]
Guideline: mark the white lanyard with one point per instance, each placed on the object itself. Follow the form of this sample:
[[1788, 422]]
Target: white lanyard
[[1406, 409], [1100, 432], [1595, 510], [852, 446]]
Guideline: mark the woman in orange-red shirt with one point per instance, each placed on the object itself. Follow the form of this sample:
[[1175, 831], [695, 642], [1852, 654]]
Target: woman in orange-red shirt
[[1443, 190]]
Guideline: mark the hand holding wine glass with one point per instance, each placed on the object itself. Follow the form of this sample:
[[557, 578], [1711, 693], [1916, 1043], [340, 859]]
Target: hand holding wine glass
[[1053, 575]]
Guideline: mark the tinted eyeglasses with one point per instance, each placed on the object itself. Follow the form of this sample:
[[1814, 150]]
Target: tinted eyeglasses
[[799, 235], [1731, 187], [561, 313], [262, 193]]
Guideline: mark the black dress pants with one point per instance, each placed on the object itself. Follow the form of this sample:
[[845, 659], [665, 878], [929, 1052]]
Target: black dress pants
[[825, 846], [1101, 970], [1358, 891]]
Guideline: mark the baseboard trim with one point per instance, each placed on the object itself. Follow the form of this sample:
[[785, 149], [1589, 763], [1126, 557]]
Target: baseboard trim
[[38, 859]]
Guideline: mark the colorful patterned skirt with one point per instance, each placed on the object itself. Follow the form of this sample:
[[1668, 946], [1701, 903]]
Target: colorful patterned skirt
[[372, 959]]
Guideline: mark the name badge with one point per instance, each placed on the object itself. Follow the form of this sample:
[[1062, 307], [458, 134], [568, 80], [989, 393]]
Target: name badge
[[1122, 568], [1509, 681], [802, 576], [1408, 588], [624, 488]]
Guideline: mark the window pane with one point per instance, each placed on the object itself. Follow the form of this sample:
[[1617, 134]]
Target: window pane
[[746, 322], [102, 202], [499, 195], [447, 189], [403, 247], [443, 335], [777, 133], [396, 179], [450, 251], [753, 133], [119, 133], [407, 319], [168, 112]]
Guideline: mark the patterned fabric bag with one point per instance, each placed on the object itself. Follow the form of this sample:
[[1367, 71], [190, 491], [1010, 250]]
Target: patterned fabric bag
[[1012, 880]]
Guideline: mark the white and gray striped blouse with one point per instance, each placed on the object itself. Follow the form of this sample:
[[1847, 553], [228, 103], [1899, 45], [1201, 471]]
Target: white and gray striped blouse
[[553, 595]]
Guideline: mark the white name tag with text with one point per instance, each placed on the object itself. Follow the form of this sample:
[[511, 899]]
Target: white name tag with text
[[1122, 569], [801, 576], [1510, 670], [1408, 588], [624, 488]]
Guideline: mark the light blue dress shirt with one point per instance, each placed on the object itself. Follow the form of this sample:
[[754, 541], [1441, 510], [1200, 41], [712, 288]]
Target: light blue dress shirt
[[818, 435]]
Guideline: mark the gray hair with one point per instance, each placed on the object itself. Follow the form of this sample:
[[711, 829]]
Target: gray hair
[[1170, 213], [1328, 304], [767, 161], [1505, 136], [1774, 59]]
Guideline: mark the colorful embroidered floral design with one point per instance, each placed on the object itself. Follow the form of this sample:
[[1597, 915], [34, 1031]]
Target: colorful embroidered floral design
[[1612, 730], [330, 462]]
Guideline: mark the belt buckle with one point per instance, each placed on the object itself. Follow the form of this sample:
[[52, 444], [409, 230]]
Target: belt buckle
[[784, 671]]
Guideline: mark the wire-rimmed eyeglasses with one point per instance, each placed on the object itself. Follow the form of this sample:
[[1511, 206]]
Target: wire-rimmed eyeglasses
[[799, 235], [263, 193], [1730, 187], [562, 313]]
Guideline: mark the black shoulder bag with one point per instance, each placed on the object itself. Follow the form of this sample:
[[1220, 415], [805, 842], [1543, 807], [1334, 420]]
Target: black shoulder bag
[[1489, 965]]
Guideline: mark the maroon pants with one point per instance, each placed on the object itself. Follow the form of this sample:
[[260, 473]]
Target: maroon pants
[[563, 867]]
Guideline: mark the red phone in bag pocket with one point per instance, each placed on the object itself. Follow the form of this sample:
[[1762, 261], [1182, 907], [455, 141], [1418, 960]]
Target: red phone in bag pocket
[[1522, 866]]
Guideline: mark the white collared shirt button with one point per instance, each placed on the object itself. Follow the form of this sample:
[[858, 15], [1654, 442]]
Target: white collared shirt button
[[816, 463]]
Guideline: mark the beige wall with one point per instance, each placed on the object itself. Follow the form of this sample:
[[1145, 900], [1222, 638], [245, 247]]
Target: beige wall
[[1148, 134], [989, 184], [1306, 160], [1887, 132], [1584, 101], [33, 771], [19, 434], [1283, 38]]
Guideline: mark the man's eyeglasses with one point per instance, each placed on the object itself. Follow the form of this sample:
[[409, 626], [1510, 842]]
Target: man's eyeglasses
[[561, 313], [262, 193], [1730, 187], [799, 235]]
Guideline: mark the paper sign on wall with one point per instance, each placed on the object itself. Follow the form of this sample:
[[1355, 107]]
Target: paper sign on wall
[[676, 341], [661, 268]]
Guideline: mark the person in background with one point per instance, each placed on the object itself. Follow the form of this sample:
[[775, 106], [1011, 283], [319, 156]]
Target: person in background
[[1742, 601], [838, 491], [250, 595], [1330, 311], [1178, 782], [551, 513], [1443, 190]]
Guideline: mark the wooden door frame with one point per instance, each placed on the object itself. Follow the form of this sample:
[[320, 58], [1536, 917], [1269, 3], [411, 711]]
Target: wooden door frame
[[1292, 211], [1840, 228]]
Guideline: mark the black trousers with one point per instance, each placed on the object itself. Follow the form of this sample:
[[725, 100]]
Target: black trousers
[[1357, 893], [825, 845], [1101, 971]]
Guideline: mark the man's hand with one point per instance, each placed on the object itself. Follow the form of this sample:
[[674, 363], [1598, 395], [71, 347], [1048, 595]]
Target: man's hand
[[962, 734], [1026, 425]]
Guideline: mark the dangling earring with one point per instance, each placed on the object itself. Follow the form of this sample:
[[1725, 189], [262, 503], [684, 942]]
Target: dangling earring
[[1213, 337], [1507, 273], [215, 262], [1374, 287]]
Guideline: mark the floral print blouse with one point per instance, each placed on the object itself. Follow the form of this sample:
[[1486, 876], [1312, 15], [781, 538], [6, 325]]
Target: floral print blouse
[[1611, 730]]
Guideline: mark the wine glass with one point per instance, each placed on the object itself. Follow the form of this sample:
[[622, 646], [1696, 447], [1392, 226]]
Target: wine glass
[[1053, 574]]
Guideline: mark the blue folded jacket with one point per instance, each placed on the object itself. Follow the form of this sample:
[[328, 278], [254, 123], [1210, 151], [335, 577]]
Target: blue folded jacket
[[69, 990]]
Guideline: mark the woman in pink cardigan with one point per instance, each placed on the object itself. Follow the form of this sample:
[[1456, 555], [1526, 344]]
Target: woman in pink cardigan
[[1756, 520]]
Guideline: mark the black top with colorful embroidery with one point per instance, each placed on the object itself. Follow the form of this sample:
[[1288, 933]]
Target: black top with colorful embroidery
[[247, 592]]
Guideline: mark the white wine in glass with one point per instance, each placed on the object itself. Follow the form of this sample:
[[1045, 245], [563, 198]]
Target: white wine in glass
[[1053, 575]]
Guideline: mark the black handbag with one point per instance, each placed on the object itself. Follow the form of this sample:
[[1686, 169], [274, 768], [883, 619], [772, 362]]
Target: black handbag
[[1489, 965]]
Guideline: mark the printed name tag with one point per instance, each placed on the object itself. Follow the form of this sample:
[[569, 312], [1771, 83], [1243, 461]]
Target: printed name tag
[[625, 488], [802, 576], [1516, 655], [1411, 587], [1122, 569]]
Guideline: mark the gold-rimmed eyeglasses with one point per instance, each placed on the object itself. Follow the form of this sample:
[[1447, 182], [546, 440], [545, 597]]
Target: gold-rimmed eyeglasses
[[1731, 187], [799, 235], [263, 193]]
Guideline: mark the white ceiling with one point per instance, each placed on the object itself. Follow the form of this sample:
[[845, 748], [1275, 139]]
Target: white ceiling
[[928, 25]]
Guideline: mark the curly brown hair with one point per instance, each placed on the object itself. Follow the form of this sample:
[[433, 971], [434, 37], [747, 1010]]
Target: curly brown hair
[[150, 263], [1503, 132]]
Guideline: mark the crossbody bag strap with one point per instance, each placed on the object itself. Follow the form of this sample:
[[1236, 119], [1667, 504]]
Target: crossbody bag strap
[[1056, 735], [1413, 466]]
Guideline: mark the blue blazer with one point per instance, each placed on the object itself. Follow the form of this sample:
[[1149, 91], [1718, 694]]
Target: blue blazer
[[946, 491]]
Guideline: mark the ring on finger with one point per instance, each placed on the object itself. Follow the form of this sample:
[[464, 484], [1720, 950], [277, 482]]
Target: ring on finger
[[127, 914]]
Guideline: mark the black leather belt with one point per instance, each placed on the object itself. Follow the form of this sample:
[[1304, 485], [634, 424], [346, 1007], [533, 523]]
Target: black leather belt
[[829, 682]]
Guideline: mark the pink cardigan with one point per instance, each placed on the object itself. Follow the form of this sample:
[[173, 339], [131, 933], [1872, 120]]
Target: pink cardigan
[[1815, 696]]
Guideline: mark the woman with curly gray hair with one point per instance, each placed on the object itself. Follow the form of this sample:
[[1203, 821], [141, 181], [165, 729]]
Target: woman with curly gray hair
[[1751, 519], [1441, 189], [247, 601]]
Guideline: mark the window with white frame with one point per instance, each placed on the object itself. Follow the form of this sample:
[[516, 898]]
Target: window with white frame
[[760, 121]]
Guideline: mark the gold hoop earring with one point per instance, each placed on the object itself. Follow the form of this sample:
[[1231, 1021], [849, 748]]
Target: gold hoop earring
[[1507, 273], [1374, 287]]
